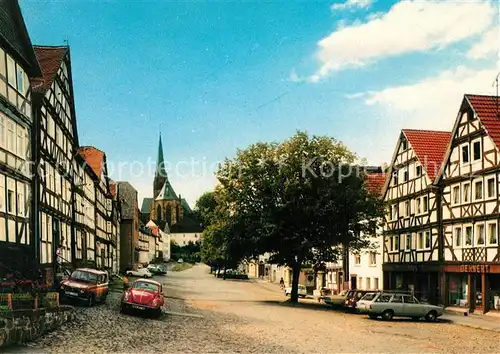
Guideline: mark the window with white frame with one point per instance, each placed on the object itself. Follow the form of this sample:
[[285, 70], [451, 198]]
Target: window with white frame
[[11, 136], [458, 236], [420, 241], [418, 206], [468, 235], [407, 208], [492, 234], [396, 242], [427, 244], [3, 134], [465, 154], [20, 199], [368, 284], [480, 236], [405, 175], [2, 194], [456, 195], [425, 204], [491, 187], [357, 259], [466, 193], [373, 258], [394, 211], [408, 242], [11, 196], [478, 190], [375, 283], [418, 171], [476, 150]]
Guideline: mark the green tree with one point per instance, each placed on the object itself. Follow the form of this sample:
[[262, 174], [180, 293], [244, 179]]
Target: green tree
[[301, 200]]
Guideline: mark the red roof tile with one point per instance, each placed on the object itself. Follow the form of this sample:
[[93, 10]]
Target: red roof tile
[[50, 59], [375, 183], [94, 158], [487, 108], [430, 147]]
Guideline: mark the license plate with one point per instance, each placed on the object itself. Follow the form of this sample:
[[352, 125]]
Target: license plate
[[138, 307], [70, 293]]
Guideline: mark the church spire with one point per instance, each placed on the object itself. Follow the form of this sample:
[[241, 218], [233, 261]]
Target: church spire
[[160, 163], [160, 173]]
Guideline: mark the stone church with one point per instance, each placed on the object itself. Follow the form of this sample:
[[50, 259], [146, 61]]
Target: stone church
[[168, 210]]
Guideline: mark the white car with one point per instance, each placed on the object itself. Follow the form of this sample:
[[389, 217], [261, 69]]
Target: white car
[[141, 272], [302, 291], [180, 260]]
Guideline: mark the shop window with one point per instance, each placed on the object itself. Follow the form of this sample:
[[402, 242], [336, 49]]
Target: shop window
[[457, 290]]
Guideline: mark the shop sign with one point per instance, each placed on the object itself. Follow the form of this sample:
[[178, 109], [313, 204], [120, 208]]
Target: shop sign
[[474, 268]]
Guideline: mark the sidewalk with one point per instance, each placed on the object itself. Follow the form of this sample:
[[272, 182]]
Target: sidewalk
[[489, 323]]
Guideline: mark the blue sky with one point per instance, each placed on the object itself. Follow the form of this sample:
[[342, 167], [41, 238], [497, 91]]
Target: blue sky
[[219, 75]]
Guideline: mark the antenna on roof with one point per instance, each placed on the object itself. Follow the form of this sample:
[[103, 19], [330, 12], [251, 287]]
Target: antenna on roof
[[495, 83], [66, 43]]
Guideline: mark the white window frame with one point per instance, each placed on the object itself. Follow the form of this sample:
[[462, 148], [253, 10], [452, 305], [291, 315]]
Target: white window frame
[[456, 238], [427, 233], [420, 240], [472, 157], [425, 204], [479, 227], [466, 196], [466, 227], [408, 245], [462, 162], [3, 130], [480, 182], [3, 198], [488, 233], [488, 190], [454, 195]]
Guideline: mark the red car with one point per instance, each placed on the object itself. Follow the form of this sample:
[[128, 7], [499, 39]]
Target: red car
[[144, 295]]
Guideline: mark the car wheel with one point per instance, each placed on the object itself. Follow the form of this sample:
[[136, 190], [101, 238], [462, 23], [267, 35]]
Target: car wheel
[[431, 316], [128, 273], [387, 315], [372, 316], [90, 300]]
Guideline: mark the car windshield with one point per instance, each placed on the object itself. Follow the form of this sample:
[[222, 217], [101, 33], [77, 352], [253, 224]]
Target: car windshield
[[145, 286], [87, 277], [369, 296]]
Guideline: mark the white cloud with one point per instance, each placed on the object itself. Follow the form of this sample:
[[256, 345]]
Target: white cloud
[[431, 103], [487, 46], [409, 26], [350, 4]]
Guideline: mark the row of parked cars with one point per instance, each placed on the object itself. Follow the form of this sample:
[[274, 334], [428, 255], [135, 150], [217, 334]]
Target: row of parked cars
[[91, 286], [147, 272], [383, 304]]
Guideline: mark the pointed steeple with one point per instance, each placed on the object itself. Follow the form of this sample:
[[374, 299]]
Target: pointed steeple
[[160, 162], [160, 172]]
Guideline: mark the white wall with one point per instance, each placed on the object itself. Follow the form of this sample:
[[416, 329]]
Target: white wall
[[183, 239]]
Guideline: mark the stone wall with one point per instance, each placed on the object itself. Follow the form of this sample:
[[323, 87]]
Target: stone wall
[[21, 326]]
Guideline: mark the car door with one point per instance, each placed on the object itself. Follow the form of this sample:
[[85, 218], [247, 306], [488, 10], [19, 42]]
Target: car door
[[411, 306], [397, 305]]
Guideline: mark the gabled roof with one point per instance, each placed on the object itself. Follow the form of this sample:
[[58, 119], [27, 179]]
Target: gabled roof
[[186, 225], [167, 192], [14, 34], [50, 59], [375, 182], [430, 148], [487, 109], [94, 158], [146, 205]]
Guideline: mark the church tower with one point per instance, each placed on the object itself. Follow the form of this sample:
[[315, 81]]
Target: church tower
[[166, 205], [160, 172]]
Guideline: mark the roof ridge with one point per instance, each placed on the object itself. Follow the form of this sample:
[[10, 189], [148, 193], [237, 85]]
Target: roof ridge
[[426, 130], [480, 95], [50, 46]]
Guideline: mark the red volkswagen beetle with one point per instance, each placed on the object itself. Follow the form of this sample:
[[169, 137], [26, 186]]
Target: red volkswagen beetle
[[144, 295]]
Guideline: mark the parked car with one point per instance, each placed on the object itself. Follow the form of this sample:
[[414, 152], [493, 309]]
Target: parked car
[[302, 291], [140, 272], [388, 305], [145, 296], [86, 285], [353, 297], [180, 260], [156, 270], [338, 299]]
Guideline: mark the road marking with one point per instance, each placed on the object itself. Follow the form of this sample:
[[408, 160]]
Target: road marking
[[183, 314]]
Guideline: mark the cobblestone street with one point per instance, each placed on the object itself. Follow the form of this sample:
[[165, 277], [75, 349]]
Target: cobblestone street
[[248, 317]]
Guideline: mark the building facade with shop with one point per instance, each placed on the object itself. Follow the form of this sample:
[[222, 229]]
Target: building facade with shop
[[18, 62], [471, 208], [412, 229]]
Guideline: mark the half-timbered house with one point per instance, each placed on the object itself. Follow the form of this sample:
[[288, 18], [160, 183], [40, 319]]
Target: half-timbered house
[[54, 144], [17, 63], [411, 234], [105, 241], [470, 207]]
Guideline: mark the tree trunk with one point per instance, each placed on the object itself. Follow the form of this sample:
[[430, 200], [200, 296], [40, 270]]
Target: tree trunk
[[294, 296]]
